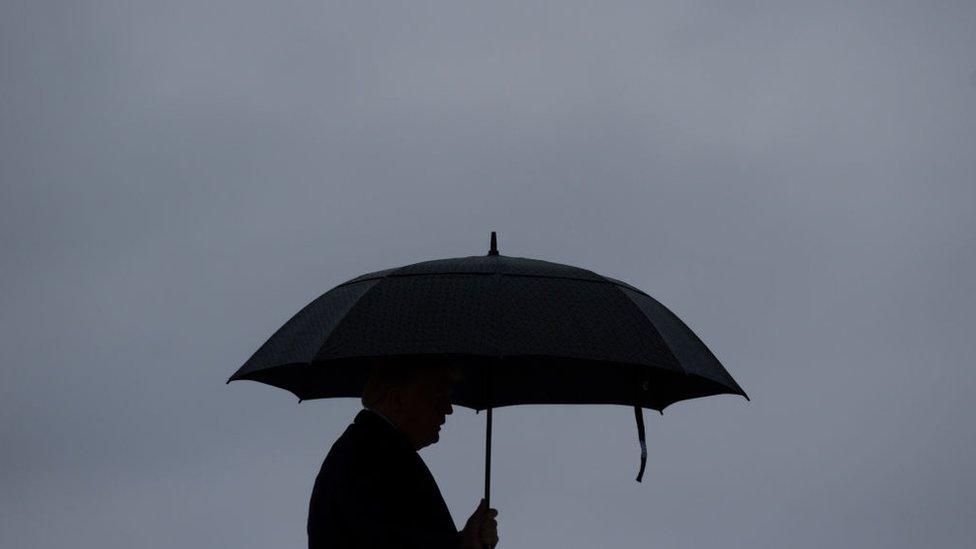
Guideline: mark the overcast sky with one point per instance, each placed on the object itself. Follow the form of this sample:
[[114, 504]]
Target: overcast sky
[[797, 182]]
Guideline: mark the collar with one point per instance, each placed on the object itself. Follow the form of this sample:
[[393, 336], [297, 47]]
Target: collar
[[382, 415], [379, 418]]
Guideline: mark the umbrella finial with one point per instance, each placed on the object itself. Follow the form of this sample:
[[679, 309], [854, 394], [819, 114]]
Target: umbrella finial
[[494, 244]]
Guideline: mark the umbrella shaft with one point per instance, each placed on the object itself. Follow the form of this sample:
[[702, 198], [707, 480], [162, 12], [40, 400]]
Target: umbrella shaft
[[488, 459]]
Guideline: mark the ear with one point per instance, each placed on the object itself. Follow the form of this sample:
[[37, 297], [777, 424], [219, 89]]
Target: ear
[[394, 399]]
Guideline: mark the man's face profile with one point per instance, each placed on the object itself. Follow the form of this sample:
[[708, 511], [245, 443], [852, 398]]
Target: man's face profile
[[416, 400], [427, 404]]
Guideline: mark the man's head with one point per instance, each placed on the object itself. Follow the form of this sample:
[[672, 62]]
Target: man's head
[[415, 397]]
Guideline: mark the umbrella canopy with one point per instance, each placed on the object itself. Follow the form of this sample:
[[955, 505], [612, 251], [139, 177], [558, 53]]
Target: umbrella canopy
[[539, 332], [522, 331]]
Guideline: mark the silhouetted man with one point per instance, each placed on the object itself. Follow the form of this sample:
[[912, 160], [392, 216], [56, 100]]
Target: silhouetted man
[[374, 491]]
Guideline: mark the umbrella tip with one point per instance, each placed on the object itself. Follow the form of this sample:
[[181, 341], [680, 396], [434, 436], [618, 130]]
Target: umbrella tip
[[494, 244]]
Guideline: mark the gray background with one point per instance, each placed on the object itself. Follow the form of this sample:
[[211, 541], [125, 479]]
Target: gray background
[[795, 181]]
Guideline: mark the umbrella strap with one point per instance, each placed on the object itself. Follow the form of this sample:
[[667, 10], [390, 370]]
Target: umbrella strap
[[639, 415]]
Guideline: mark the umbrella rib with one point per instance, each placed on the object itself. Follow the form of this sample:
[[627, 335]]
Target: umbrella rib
[[345, 316], [650, 322], [735, 384]]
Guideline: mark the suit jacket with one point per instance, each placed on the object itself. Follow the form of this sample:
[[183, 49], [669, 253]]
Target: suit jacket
[[374, 492]]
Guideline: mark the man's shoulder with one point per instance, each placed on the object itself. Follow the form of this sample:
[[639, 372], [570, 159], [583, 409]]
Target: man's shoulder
[[353, 447]]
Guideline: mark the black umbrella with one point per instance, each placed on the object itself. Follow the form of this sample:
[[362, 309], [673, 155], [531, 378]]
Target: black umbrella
[[522, 331]]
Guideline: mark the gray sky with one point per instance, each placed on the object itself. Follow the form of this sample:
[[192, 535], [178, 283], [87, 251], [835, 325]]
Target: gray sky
[[795, 181]]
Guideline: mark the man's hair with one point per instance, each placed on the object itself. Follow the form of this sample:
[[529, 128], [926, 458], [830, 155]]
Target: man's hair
[[385, 376]]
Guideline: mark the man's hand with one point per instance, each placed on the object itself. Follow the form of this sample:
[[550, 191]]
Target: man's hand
[[481, 530]]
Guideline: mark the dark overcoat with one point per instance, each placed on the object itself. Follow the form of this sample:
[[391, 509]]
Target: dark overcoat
[[374, 491]]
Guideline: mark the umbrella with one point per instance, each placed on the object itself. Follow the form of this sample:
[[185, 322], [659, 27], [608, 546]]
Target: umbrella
[[522, 331]]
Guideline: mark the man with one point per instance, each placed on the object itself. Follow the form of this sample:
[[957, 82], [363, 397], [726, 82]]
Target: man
[[374, 491]]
